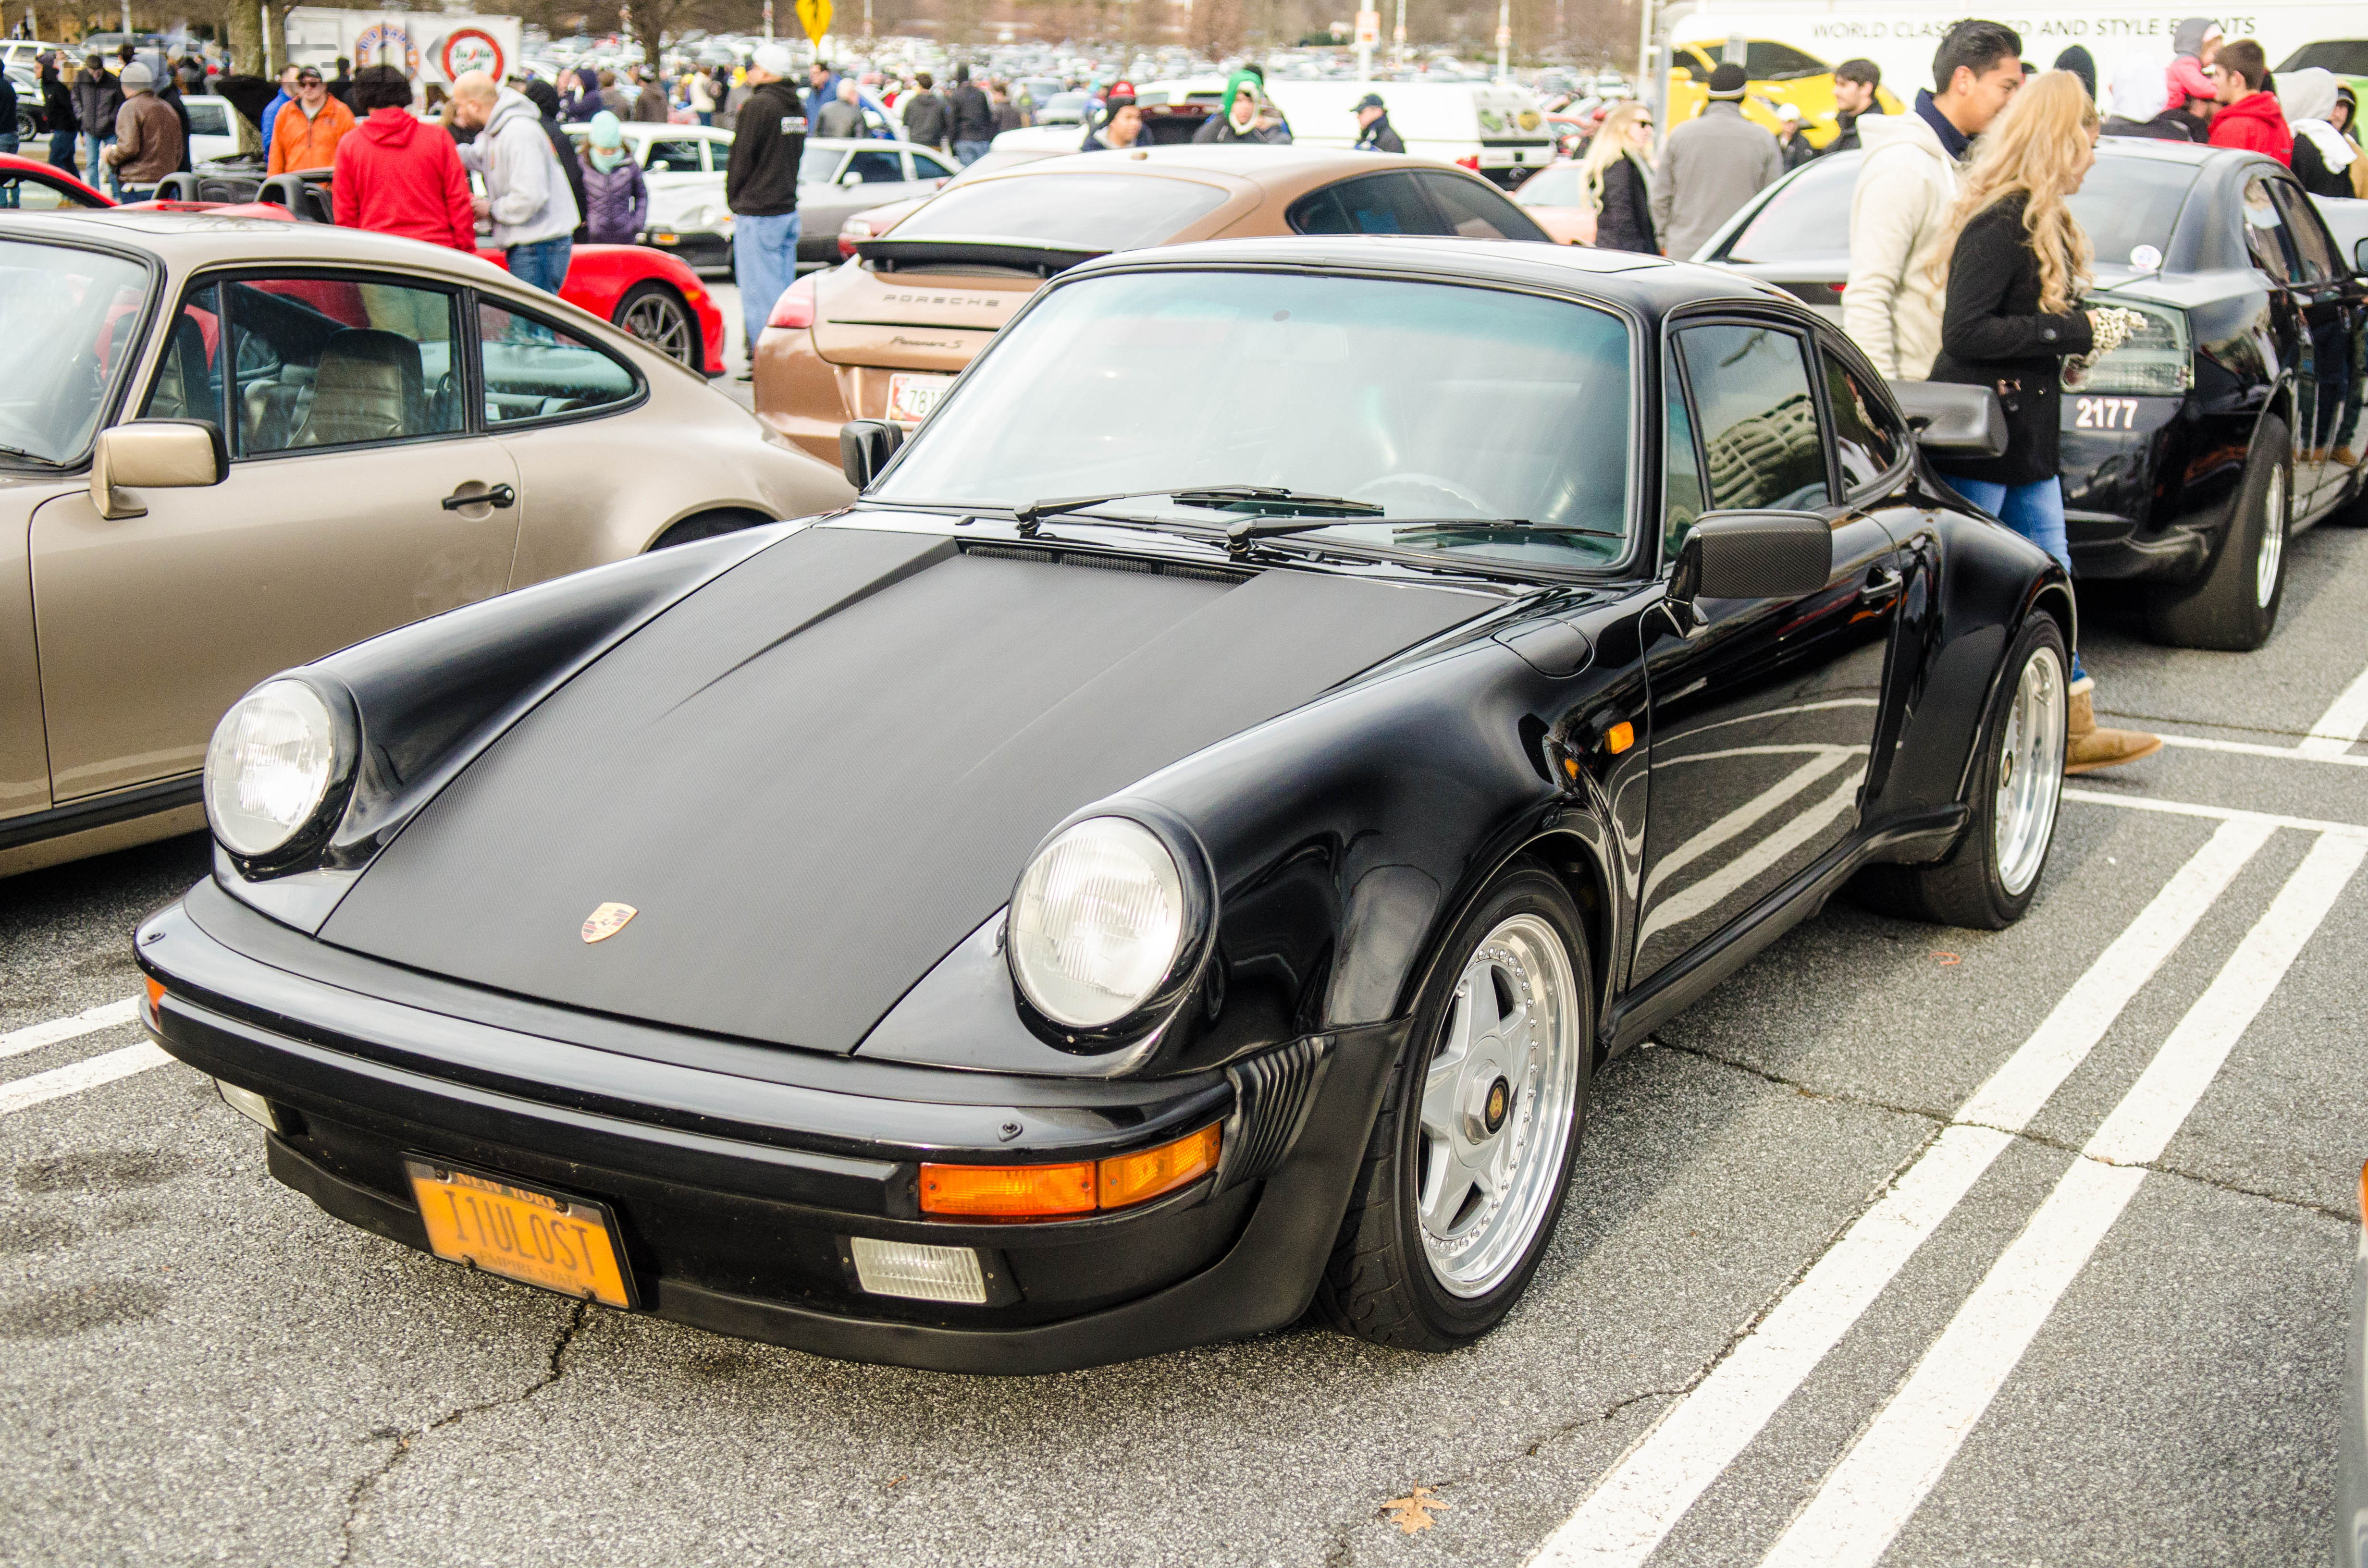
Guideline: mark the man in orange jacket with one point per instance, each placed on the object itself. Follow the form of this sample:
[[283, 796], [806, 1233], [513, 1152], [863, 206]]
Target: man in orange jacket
[[308, 131]]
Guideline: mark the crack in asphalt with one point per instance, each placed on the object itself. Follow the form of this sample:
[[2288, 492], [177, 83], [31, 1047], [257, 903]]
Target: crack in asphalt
[[2043, 1140], [404, 1441]]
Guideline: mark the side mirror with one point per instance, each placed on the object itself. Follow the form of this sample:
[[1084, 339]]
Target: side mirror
[[864, 448], [2359, 255], [153, 454], [1750, 556], [1950, 420], [851, 177]]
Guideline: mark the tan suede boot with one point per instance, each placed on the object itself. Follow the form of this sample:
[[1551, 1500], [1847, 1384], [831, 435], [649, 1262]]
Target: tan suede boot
[[2087, 748]]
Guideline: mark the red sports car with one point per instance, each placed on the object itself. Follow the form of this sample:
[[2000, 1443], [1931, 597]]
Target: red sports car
[[647, 292]]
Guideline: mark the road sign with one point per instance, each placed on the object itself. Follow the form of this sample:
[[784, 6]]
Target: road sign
[[1369, 28], [814, 17]]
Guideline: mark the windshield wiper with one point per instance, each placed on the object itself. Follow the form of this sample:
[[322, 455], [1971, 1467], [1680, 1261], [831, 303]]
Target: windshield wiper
[[1266, 500], [1443, 526], [29, 457]]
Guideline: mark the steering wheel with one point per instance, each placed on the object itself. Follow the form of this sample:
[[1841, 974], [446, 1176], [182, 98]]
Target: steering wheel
[[1422, 494]]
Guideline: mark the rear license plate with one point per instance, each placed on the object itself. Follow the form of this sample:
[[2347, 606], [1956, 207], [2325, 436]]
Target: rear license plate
[[911, 396], [567, 1245]]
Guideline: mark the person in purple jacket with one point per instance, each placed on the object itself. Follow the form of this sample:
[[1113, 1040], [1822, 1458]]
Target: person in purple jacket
[[616, 201]]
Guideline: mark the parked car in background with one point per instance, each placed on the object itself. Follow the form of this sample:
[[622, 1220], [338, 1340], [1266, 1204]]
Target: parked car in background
[[836, 179], [213, 128], [647, 292], [231, 443], [1005, 935], [1497, 132], [2195, 452], [1777, 74], [873, 222], [1557, 197], [2346, 58], [882, 337]]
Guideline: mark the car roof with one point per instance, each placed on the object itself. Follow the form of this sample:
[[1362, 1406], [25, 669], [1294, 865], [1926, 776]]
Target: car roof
[[185, 241], [1274, 169], [1648, 283]]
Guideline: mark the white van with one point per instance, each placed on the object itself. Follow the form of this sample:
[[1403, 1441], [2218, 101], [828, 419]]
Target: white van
[[1500, 133]]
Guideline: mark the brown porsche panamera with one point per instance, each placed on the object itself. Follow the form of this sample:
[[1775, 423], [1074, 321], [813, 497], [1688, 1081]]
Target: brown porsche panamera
[[232, 445], [883, 335]]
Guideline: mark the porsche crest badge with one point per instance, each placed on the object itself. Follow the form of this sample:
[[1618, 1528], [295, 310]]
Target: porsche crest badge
[[607, 921]]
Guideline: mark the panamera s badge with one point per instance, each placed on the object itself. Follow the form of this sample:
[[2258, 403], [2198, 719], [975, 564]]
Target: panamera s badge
[[607, 921]]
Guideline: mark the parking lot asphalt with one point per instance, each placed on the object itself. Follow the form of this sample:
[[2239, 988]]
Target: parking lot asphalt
[[1909, 1245]]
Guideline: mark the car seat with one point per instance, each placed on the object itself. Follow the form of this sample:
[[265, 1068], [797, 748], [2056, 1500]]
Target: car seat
[[367, 388]]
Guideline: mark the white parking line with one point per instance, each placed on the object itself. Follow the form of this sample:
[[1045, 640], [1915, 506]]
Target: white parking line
[[1869, 1497], [2216, 813], [2339, 728], [1645, 1496], [74, 1078], [2253, 748], [15, 1042]]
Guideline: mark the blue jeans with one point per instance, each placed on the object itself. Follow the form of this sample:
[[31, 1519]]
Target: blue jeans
[[8, 144], [2034, 510], [542, 265], [764, 263], [95, 170], [971, 152], [62, 150]]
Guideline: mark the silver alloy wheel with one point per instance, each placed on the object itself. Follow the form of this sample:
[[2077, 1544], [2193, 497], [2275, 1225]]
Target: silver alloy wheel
[[2030, 771], [2273, 539], [660, 321], [1499, 1102]]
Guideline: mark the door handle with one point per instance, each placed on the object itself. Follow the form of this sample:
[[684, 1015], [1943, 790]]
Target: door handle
[[1881, 583], [499, 495]]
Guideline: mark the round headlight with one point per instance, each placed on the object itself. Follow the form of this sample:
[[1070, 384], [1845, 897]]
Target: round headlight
[[268, 767], [1097, 922]]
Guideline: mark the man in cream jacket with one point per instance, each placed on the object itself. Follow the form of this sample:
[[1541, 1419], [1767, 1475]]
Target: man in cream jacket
[[1907, 181]]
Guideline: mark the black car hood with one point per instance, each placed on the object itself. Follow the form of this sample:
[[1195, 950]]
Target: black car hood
[[816, 775]]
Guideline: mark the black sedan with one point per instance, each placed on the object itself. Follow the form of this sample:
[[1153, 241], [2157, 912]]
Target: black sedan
[[1161, 858], [2192, 454]]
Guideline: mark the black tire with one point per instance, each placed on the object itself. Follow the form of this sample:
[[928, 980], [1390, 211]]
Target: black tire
[[1969, 887], [2228, 608], [707, 525], [656, 315], [1379, 1284]]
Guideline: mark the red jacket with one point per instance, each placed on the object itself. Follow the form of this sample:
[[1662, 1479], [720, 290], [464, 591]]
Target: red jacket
[[398, 176], [2256, 123]]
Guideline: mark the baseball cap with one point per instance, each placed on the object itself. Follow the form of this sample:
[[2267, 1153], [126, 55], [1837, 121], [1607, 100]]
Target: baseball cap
[[1370, 100], [774, 60]]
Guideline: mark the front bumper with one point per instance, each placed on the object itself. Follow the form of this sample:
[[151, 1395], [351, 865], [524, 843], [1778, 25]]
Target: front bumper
[[737, 1173]]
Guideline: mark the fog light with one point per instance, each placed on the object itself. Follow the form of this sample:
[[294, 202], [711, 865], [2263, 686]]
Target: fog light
[[250, 1104], [918, 1271]]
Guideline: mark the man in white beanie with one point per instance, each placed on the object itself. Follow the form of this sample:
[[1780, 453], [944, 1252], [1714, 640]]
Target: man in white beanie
[[760, 186], [527, 196]]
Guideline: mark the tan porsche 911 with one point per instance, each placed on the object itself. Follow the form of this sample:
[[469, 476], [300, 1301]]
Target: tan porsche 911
[[883, 334], [228, 446]]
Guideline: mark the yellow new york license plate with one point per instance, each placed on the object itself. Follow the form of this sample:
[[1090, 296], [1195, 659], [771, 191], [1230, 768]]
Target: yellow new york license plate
[[565, 1244]]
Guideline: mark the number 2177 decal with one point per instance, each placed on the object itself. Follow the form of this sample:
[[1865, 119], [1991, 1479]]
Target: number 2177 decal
[[2105, 414]]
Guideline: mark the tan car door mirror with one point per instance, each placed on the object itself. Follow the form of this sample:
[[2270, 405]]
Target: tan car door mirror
[[153, 454]]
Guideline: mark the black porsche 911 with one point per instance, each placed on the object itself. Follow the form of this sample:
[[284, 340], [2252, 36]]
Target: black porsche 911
[[2195, 452], [1153, 863]]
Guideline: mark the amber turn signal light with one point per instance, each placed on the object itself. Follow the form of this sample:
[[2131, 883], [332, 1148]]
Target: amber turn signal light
[[1619, 738], [1016, 1192], [156, 996]]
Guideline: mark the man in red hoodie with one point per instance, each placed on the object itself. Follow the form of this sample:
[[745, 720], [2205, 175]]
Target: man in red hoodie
[[2249, 118], [399, 176]]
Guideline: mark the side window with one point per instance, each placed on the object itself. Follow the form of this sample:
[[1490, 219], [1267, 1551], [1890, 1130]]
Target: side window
[[1764, 60], [2265, 232], [534, 370], [1681, 484], [189, 383], [1476, 211], [875, 169], [927, 167], [337, 362], [2312, 247], [1760, 436], [673, 155], [1865, 437], [29, 193], [1376, 204]]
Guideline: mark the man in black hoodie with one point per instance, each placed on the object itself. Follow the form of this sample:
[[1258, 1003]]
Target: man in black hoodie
[[926, 115], [58, 108], [974, 117], [97, 98], [760, 185]]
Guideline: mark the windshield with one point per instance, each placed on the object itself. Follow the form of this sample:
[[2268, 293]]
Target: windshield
[[1092, 213], [1438, 402], [1557, 186], [1810, 217], [2128, 203], [819, 166], [68, 318]]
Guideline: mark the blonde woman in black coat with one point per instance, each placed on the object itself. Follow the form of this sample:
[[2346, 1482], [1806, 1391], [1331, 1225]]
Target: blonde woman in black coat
[[1616, 173], [2015, 264]]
